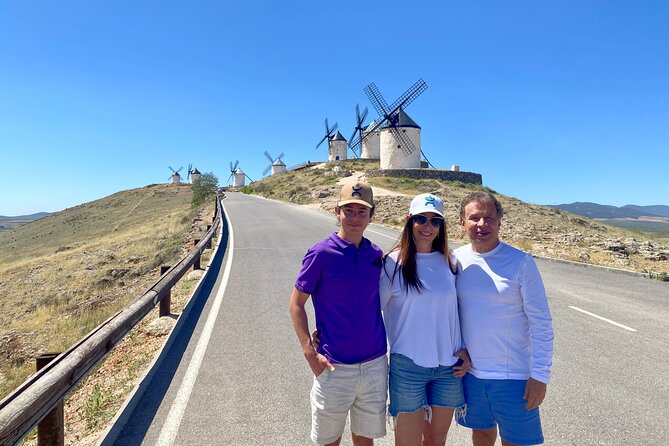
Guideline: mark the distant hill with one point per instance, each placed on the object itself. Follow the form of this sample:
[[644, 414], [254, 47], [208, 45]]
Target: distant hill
[[594, 210], [30, 217]]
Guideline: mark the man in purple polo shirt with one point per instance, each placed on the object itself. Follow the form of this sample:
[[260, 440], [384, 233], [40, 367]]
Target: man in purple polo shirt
[[341, 274]]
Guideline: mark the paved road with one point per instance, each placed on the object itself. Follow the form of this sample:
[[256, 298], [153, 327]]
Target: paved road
[[252, 386]]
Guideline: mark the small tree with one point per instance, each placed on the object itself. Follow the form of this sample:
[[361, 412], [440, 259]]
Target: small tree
[[204, 187]]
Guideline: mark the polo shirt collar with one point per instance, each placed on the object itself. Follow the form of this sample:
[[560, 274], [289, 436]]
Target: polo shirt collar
[[343, 244]]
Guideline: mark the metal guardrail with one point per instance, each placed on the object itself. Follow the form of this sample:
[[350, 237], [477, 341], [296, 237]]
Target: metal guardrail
[[24, 408]]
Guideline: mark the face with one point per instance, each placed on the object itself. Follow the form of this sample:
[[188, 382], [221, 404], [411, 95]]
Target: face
[[481, 225], [424, 234], [354, 218]]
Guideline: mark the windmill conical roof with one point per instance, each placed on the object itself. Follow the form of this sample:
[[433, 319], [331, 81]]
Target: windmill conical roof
[[239, 171], [403, 121], [195, 171], [371, 125], [338, 137], [278, 162]]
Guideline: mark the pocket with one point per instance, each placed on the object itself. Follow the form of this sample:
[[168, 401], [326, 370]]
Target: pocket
[[323, 376]]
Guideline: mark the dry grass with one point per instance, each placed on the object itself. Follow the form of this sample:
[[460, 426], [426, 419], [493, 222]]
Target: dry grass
[[63, 275]]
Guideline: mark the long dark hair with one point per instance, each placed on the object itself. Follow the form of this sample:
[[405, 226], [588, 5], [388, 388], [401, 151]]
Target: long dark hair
[[406, 257]]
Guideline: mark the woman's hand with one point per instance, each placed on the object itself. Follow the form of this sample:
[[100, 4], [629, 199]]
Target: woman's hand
[[461, 368]]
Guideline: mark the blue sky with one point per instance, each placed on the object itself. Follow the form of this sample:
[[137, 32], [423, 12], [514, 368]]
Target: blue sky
[[552, 102]]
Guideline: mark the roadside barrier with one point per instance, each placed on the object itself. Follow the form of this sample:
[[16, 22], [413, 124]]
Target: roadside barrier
[[41, 396]]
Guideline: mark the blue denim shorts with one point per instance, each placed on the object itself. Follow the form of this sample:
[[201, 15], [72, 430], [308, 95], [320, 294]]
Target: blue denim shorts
[[492, 402], [413, 387]]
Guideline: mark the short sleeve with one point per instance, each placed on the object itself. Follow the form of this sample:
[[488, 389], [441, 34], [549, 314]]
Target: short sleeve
[[310, 274]]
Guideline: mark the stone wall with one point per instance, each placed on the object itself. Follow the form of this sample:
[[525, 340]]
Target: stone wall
[[437, 174]]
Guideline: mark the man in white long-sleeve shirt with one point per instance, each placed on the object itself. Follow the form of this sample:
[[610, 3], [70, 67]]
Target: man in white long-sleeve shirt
[[506, 327]]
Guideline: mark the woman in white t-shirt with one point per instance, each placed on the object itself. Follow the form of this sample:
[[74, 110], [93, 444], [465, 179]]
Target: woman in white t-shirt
[[420, 311]]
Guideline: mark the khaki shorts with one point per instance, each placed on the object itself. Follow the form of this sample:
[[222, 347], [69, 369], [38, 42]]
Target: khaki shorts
[[360, 389]]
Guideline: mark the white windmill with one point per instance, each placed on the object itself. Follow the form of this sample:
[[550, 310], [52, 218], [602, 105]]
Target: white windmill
[[329, 136], [175, 177], [193, 173], [237, 175], [338, 148], [371, 142], [276, 165], [399, 139]]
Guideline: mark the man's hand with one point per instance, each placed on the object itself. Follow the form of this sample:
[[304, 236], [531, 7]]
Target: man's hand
[[461, 370], [318, 363], [535, 392]]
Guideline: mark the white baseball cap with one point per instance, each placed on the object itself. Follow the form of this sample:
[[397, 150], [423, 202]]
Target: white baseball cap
[[426, 203]]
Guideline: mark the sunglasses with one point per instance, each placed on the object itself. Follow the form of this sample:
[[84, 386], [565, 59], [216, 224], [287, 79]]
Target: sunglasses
[[434, 221]]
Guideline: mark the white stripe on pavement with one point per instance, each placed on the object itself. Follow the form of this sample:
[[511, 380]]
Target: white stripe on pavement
[[171, 425], [602, 318]]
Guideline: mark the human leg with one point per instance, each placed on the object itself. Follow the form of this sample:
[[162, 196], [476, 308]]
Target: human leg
[[436, 430], [484, 437], [361, 441], [409, 428]]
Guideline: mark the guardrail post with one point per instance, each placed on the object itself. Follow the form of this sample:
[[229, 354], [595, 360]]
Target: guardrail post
[[196, 265], [209, 242], [51, 430], [166, 302]]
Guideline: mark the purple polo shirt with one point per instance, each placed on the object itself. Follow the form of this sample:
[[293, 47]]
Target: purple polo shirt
[[343, 281]]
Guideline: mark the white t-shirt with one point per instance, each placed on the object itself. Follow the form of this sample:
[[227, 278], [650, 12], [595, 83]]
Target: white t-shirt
[[422, 325], [506, 323]]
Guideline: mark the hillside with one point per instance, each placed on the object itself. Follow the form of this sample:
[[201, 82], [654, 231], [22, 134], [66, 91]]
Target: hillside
[[594, 210], [62, 275], [541, 230]]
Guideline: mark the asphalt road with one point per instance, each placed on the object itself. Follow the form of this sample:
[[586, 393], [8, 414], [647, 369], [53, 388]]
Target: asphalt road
[[237, 376]]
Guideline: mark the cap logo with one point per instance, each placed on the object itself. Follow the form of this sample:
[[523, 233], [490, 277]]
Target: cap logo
[[356, 191], [430, 200]]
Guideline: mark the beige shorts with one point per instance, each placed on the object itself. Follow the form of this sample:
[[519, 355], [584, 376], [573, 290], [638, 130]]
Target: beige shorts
[[360, 389]]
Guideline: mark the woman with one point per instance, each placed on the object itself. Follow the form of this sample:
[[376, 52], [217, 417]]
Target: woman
[[420, 311]]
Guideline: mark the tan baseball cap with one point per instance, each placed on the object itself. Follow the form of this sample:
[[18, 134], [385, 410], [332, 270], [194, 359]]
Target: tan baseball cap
[[356, 192]]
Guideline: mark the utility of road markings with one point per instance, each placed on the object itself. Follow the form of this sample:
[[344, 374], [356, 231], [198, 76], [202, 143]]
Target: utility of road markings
[[172, 422], [602, 318]]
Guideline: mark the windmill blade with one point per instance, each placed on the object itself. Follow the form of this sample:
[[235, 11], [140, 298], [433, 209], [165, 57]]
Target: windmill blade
[[172, 169], [267, 169], [377, 100], [248, 178], [235, 166], [230, 177], [409, 96], [231, 169], [321, 141], [179, 169], [269, 157], [334, 128], [278, 158], [403, 140]]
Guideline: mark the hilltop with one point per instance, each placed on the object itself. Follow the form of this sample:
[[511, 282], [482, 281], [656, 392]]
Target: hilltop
[[63, 274], [540, 230]]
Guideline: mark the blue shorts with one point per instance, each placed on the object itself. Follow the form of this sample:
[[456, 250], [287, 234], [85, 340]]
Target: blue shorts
[[413, 387], [492, 402]]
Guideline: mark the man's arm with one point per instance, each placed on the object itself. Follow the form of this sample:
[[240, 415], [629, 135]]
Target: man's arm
[[535, 304], [298, 314]]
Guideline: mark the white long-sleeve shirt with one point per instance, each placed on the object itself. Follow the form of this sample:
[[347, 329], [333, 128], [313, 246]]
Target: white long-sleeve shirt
[[422, 325], [504, 314]]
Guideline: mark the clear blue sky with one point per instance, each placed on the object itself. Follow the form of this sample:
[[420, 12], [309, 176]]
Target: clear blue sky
[[552, 102]]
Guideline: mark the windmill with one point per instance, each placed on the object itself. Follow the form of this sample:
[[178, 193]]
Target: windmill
[[175, 177], [193, 173], [395, 123], [359, 119], [237, 174], [329, 133], [233, 169], [276, 165]]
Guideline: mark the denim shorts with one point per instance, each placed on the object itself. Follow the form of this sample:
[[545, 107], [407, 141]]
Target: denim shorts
[[413, 387], [358, 389], [492, 402]]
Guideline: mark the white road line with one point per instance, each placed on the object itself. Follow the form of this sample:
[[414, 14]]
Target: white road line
[[602, 318], [171, 425], [380, 233]]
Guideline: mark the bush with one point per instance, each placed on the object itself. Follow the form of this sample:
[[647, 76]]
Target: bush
[[204, 187]]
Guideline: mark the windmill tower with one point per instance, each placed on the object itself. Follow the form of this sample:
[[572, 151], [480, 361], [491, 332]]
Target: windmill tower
[[359, 128], [175, 177], [276, 165], [338, 148], [400, 135], [237, 174], [329, 134], [193, 173], [371, 142]]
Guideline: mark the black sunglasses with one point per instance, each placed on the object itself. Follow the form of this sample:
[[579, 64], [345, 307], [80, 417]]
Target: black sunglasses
[[434, 221]]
